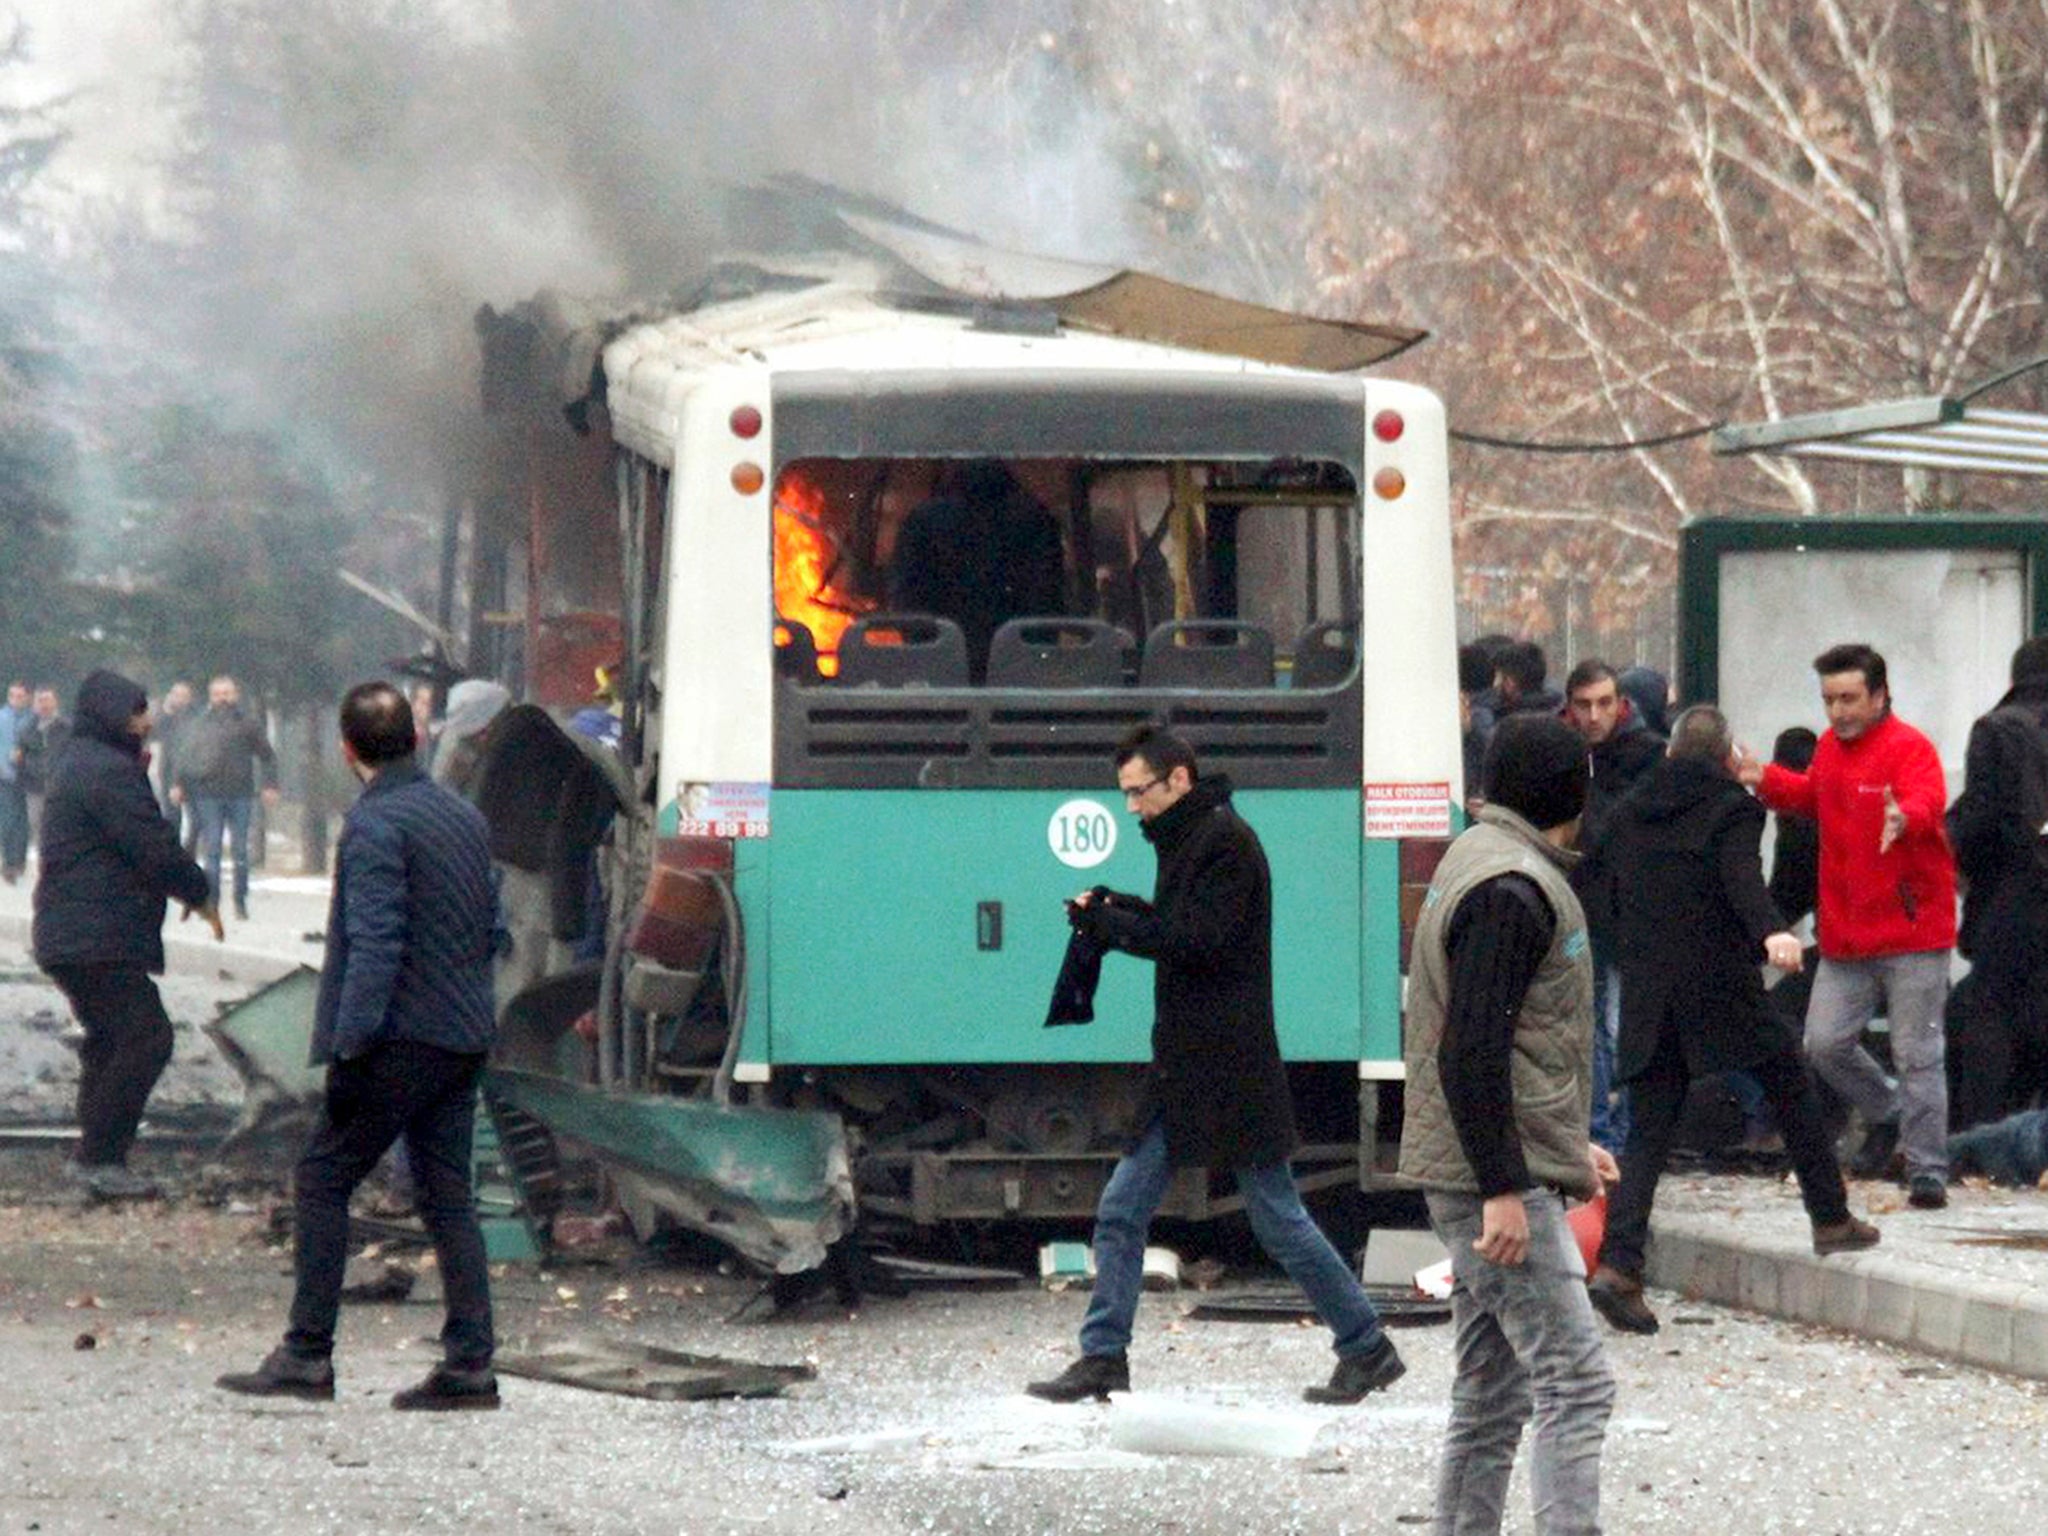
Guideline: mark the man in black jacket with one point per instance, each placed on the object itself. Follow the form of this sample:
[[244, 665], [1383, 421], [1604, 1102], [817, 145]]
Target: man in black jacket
[[1620, 749], [1998, 827], [404, 1020], [1684, 890], [109, 863], [1217, 1091]]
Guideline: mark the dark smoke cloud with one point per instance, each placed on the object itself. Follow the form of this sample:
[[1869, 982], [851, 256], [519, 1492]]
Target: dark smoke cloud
[[355, 179]]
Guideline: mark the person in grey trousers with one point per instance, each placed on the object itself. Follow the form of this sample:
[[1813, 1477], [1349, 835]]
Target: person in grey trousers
[[1887, 920], [1499, 1058]]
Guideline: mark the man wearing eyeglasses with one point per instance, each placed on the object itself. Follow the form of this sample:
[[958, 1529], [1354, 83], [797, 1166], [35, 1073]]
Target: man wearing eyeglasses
[[1216, 1093]]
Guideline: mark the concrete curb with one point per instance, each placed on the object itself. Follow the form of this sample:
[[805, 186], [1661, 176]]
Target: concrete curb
[[1999, 1324], [192, 957]]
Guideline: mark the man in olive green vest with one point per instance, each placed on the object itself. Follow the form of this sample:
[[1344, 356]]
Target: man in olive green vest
[[1499, 1055]]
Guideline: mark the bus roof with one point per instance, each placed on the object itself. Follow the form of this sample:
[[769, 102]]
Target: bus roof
[[846, 318]]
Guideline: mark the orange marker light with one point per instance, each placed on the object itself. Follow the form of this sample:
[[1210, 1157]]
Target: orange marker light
[[1389, 483], [747, 477]]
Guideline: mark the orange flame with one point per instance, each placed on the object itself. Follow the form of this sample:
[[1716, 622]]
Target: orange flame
[[803, 555]]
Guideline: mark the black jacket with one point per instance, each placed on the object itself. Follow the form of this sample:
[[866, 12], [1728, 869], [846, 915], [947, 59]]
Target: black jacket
[[1996, 823], [413, 926], [1217, 1081], [1614, 767], [109, 859], [1683, 891]]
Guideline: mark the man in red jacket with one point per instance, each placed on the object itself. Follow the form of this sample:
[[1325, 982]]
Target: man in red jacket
[[1887, 918]]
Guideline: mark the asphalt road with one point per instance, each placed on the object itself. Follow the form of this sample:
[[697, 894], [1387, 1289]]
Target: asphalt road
[[1726, 1423]]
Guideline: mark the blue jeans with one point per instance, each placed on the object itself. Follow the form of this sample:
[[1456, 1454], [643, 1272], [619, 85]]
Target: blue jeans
[[1284, 1229], [217, 816], [1526, 1346], [1610, 1103]]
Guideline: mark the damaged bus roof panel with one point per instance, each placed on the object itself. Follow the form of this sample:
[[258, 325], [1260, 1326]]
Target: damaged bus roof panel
[[1136, 305]]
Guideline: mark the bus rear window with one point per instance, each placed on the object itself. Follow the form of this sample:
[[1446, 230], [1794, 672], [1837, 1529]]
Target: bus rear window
[[1066, 573]]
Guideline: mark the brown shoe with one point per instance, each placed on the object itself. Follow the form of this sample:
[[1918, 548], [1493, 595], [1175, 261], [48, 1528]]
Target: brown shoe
[[1845, 1236], [1619, 1298]]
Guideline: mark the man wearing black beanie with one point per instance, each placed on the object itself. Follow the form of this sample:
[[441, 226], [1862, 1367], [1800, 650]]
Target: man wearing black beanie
[[1498, 1046], [110, 862]]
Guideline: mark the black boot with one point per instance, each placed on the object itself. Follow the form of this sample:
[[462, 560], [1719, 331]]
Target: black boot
[[283, 1374], [448, 1388], [1093, 1376], [1356, 1375]]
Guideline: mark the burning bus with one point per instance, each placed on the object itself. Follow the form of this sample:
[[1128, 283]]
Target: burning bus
[[884, 554]]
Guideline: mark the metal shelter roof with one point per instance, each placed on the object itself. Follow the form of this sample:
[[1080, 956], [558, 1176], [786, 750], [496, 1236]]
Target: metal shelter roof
[[1924, 432]]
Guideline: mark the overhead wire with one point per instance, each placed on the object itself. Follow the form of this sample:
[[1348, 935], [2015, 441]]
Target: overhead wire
[[1624, 445]]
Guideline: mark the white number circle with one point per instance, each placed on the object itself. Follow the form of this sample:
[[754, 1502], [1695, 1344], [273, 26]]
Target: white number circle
[[1081, 834]]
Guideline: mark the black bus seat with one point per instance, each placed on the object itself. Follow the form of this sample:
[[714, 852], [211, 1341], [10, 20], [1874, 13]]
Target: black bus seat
[[1325, 654], [1058, 652], [796, 652], [1207, 653], [903, 650]]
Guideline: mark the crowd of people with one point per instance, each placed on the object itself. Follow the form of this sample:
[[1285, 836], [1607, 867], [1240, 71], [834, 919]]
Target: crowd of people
[[1592, 949], [32, 729], [1681, 924]]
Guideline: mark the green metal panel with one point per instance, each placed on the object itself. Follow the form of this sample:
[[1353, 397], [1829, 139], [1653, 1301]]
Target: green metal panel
[[1704, 542], [875, 953], [1380, 935], [786, 1165]]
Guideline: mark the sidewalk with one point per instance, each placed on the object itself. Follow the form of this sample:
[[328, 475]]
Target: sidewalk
[[1969, 1283], [283, 911]]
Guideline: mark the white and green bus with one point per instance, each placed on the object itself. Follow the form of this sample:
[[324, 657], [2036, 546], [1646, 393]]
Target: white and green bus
[[893, 801]]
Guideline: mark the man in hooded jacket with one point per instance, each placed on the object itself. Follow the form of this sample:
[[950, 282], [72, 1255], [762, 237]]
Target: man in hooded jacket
[[109, 864], [1996, 828], [1683, 889], [1217, 1090]]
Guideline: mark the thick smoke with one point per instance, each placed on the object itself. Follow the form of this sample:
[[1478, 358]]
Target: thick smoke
[[342, 182], [347, 182]]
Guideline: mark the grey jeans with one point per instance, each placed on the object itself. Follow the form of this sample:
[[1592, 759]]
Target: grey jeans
[[1913, 989], [1525, 1342]]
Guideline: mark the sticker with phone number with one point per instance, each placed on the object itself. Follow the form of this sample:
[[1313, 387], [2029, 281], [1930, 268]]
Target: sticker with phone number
[[722, 809]]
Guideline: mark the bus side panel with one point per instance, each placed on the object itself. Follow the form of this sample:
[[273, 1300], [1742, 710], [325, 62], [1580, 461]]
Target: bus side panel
[[879, 912], [1380, 934]]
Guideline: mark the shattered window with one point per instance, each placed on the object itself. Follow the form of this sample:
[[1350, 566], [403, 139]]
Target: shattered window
[[1065, 573]]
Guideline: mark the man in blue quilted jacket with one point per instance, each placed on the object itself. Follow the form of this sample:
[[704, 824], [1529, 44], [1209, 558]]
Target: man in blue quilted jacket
[[404, 1020]]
